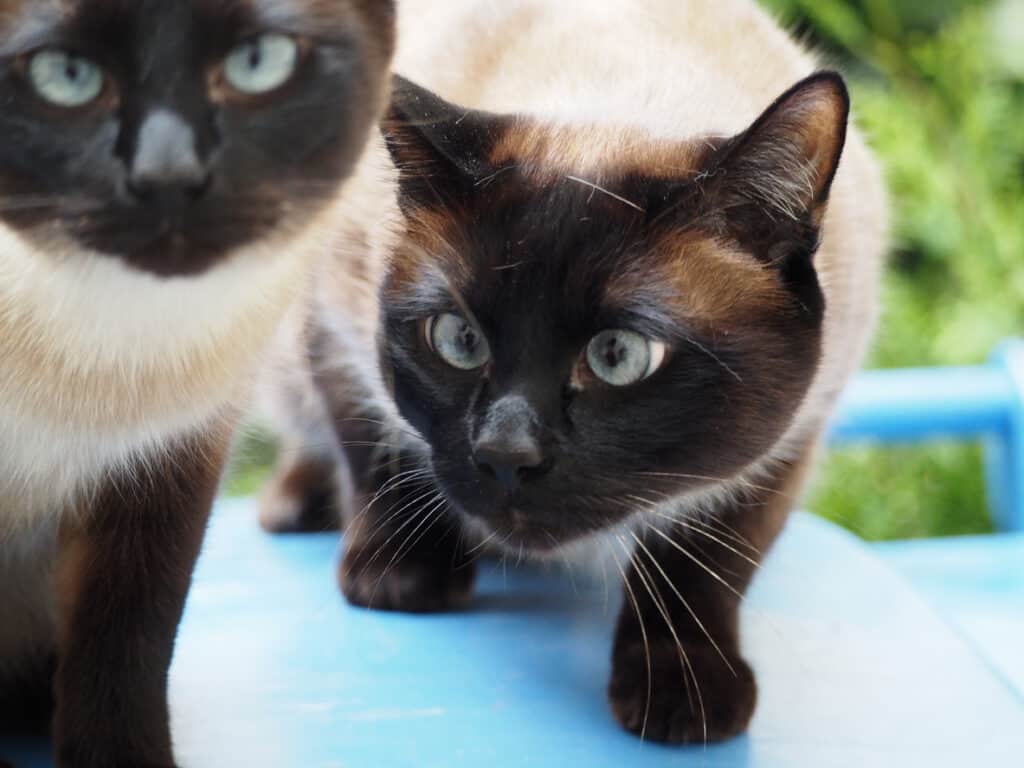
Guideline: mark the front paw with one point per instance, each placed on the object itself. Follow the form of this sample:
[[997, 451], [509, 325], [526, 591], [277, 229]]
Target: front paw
[[676, 711], [428, 579], [300, 498]]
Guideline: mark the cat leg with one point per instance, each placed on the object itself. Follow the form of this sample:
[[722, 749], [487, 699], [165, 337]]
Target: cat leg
[[404, 549], [124, 570], [304, 492], [678, 675]]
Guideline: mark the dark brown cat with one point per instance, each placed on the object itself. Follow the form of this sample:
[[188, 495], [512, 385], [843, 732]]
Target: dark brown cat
[[168, 171], [623, 277]]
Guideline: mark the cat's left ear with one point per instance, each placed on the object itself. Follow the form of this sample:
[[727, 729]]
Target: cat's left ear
[[441, 150], [780, 170]]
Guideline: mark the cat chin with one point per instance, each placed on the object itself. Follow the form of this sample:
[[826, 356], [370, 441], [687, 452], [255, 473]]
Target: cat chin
[[532, 542]]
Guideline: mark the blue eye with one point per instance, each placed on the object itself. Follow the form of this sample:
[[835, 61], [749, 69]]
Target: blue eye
[[621, 358], [458, 342], [65, 79], [262, 64]]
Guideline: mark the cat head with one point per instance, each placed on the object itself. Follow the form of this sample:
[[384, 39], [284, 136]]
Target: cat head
[[575, 338], [169, 133]]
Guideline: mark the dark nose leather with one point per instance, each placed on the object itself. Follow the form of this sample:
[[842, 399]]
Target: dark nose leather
[[166, 194], [507, 448], [508, 462], [166, 170]]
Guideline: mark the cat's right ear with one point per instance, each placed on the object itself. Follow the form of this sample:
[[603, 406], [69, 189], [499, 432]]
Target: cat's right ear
[[441, 150]]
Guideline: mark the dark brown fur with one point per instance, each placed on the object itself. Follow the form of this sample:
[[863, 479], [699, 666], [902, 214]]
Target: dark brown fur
[[125, 569]]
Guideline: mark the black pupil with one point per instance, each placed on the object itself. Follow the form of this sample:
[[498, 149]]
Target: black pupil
[[255, 55], [614, 352], [72, 70], [466, 339]]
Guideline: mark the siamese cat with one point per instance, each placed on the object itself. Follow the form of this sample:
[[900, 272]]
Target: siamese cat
[[604, 277], [169, 170]]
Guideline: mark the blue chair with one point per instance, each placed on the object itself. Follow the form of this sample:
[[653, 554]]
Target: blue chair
[[983, 402], [890, 655]]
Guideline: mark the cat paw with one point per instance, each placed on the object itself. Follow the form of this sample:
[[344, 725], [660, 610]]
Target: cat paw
[[674, 713], [299, 499], [429, 580]]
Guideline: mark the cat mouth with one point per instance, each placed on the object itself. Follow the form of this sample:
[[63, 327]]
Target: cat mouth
[[518, 533], [171, 245]]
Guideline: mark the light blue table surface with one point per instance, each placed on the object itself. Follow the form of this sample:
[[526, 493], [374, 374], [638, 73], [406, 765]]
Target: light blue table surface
[[855, 668], [976, 583]]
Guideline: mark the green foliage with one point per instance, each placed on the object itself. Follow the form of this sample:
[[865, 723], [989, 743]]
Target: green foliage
[[250, 463], [939, 89]]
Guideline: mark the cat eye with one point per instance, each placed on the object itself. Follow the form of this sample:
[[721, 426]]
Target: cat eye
[[620, 357], [64, 79], [457, 341], [262, 64]]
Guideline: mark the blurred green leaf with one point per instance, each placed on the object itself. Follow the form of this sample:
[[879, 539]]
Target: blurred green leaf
[[938, 89]]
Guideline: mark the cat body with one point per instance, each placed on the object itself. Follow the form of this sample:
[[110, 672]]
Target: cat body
[[569, 190], [152, 236]]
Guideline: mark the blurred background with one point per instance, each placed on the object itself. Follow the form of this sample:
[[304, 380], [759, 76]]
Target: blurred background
[[938, 87]]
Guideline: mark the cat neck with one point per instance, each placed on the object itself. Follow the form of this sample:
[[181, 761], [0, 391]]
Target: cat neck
[[102, 363]]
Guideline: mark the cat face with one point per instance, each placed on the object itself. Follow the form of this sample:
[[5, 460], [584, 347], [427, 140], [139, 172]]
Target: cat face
[[576, 342], [168, 133]]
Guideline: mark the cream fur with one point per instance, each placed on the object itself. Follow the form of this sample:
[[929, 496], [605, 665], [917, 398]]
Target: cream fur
[[100, 363]]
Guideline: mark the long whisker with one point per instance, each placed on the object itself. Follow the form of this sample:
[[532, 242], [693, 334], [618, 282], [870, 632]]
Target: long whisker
[[479, 546], [648, 583], [393, 483], [686, 605], [729, 532], [643, 634], [408, 521], [598, 188], [431, 514], [697, 560], [696, 527], [713, 356], [403, 504], [749, 485]]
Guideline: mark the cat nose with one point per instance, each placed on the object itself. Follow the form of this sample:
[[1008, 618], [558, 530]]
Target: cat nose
[[165, 194], [166, 170], [507, 448], [510, 463]]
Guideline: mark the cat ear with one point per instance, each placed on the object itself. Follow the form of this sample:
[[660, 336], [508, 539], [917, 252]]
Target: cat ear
[[779, 171], [441, 150]]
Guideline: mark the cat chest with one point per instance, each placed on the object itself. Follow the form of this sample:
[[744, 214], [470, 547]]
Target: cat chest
[[45, 464]]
